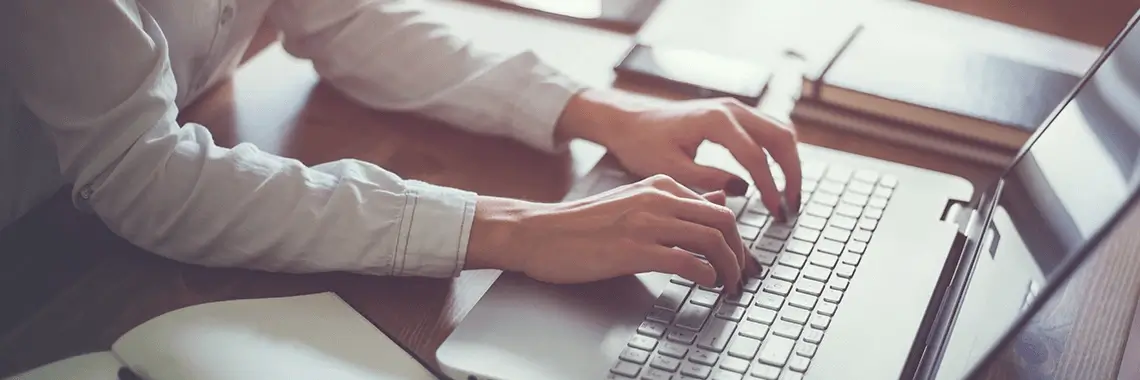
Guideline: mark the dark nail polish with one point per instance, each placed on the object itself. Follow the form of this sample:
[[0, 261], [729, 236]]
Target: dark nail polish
[[718, 283], [736, 187], [784, 214], [740, 287]]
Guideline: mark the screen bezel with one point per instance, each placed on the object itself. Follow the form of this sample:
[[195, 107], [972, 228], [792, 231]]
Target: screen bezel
[[1074, 260]]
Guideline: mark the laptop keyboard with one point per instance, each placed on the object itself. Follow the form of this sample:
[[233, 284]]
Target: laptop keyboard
[[772, 330]]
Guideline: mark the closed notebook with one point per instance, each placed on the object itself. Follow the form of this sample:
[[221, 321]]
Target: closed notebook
[[315, 336], [931, 82]]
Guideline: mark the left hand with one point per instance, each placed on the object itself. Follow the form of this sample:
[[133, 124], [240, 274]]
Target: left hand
[[663, 138]]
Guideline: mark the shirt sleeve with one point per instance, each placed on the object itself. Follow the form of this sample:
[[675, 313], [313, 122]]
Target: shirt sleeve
[[96, 74], [389, 55]]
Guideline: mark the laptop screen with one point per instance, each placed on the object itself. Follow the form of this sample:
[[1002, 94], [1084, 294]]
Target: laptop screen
[[1070, 182]]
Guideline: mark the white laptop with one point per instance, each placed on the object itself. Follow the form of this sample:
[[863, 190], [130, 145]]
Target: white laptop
[[890, 271]]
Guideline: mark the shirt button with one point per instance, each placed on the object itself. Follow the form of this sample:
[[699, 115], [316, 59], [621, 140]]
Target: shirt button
[[227, 14], [85, 192]]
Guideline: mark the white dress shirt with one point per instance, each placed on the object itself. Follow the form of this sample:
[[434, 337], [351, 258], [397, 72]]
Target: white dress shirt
[[91, 89]]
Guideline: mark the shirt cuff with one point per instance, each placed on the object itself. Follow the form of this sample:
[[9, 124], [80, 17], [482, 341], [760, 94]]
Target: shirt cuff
[[434, 231], [539, 105]]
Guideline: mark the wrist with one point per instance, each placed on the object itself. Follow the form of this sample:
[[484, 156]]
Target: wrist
[[495, 240], [598, 115]]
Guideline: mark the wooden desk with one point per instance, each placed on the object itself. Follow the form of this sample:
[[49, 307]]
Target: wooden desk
[[277, 103]]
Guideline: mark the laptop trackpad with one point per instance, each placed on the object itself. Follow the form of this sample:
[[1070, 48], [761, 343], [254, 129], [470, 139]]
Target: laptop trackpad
[[523, 329]]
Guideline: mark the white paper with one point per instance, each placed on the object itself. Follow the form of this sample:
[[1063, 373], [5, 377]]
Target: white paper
[[316, 336], [94, 366]]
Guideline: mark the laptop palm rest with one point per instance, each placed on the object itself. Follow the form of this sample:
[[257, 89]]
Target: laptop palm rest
[[595, 323]]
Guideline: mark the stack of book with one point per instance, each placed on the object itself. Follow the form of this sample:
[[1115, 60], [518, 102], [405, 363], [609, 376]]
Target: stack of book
[[905, 73]]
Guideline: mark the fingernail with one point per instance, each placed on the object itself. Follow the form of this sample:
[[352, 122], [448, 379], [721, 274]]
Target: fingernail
[[783, 211], [736, 187], [718, 283], [740, 287]]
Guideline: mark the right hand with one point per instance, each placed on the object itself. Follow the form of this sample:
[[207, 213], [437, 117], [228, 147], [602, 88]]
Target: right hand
[[648, 226]]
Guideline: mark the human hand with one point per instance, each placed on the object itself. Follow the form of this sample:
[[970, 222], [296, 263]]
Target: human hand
[[651, 225], [663, 138]]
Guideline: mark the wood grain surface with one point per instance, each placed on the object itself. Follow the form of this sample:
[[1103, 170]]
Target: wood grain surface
[[302, 118]]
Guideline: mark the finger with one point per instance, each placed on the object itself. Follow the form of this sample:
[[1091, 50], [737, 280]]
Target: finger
[[695, 208], [751, 267], [780, 142], [675, 231], [722, 128], [707, 178], [717, 197], [675, 261]]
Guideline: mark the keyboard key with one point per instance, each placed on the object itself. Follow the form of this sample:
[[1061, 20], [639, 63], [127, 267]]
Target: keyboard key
[[806, 349], [868, 224], [665, 363], [778, 231], [692, 316], [742, 299], [769, 301], [770, 245], [836, 234], [653, 329], [753, 219], [786, 329], [820, 321], [812, 170], [812, 222], [752, 285], [748, 232], [798, 363], [704, 297], [791, 375], [634, 355], [657, 374], [829, 247], [660, 315], [799, 246], [825, 199], [730, 312], [857, 247], [855, 199], [795, 315], [826, 308], [752, 330], [785, 273], [816, 272], [672, 297], [881, 191], [801, 300], [839, 284], [861, 188], [673, 350], [877, 202], [765, 372], [792, 259], [715, 337], [736, 204], [817, 210], [703, 357], [808, 286], [866, 176], [845, 271], [643, 342], [681, 336], [838, 173], [625, 368], [724, 374], [744, 347], [614, 376], [762, 315], [756, 206], [737, 365], [873, 213], [832, 295], [830, 186], [778, 287], [846, 223], [699, 371], [813, 336], [848, 211], [775, 351], [806, 234], [824, 260], [764, 258], [861, 236]]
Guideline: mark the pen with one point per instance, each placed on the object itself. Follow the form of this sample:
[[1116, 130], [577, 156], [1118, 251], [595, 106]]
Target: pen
[[784, 88]]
